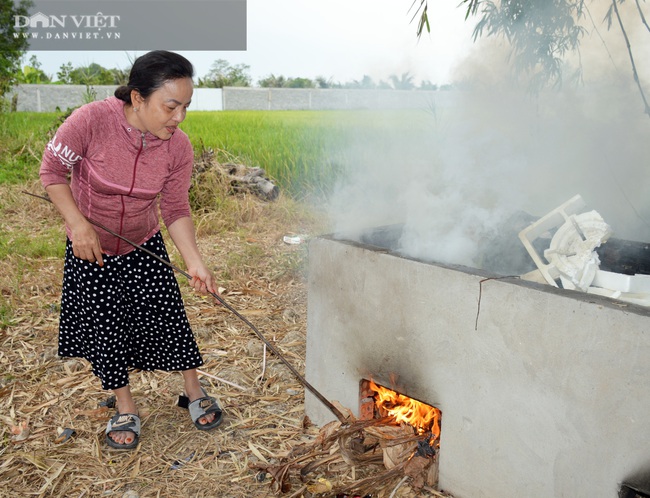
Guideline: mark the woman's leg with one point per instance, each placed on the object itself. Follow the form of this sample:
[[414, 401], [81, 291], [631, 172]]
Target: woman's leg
[[93, 305]]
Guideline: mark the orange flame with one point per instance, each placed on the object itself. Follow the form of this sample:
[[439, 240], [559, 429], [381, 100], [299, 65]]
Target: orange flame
[[407, 410]]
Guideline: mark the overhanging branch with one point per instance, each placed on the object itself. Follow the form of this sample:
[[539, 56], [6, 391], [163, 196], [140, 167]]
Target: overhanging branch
[[629, 51]]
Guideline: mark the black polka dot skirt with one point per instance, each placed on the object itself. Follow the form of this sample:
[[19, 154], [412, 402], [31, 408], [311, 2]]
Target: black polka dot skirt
[[126, 314]]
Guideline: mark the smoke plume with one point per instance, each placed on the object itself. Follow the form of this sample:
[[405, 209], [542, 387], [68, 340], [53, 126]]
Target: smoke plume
[[490, 154]]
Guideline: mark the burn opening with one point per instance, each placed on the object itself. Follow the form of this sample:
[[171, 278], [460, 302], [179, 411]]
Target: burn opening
[[417, 427], [377, 401]]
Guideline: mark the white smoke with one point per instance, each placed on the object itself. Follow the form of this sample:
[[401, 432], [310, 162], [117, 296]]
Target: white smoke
[[492, 150]]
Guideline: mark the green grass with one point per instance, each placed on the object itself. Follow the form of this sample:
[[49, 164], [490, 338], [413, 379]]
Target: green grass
[[23, 136], [48, 243], [22, 252], [292, 147], [303, 151]]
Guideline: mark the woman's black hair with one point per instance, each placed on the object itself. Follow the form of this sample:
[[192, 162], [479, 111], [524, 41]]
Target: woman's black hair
[[152, 70]]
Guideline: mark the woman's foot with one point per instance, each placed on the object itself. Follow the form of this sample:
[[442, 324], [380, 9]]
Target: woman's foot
[[125, 405], [127, 422], [211, 413], [193, 395]]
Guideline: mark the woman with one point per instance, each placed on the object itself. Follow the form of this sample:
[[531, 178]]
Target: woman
[[117, 162]]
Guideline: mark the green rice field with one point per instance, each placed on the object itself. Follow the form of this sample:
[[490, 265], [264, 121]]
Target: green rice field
[[302, 151]]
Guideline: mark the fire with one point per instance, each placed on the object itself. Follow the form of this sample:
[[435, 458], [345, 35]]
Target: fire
[[407, 410]]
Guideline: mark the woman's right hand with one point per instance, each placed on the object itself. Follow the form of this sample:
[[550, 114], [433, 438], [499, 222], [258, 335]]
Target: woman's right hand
[[85, 242]]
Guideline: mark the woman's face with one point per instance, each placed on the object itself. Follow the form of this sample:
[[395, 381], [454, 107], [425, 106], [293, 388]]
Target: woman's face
[[165, 108]]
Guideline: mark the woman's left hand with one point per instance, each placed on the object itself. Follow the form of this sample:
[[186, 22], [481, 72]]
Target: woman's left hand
[[202, 280]]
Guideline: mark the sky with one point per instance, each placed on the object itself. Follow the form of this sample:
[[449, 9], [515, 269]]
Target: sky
[[341, 40]]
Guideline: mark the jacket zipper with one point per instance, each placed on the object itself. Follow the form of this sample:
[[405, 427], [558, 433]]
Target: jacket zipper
[[143, 144]]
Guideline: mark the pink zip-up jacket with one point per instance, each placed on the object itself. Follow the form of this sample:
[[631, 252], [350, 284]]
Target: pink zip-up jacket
[[116, 173]]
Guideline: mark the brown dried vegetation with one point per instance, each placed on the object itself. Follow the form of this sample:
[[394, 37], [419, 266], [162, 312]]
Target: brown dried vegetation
[[42, 395]]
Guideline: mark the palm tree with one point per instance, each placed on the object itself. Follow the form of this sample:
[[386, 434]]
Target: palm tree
[[403, 82]]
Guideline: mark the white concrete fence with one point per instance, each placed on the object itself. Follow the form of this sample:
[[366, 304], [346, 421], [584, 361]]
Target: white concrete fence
[[50, 98]]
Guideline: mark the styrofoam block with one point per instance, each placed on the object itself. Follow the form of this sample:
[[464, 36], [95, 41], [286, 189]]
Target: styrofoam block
[[604, 292], [611, 280], [639, 284], [640, 298], [572, 248], [553, 219]]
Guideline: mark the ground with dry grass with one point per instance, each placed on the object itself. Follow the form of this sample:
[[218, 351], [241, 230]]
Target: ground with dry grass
[[41, 394], [262, 277]]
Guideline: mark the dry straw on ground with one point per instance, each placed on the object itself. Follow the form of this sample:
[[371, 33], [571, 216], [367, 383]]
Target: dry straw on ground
[[41, 394]]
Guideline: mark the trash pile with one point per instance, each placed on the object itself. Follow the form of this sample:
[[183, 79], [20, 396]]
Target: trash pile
[[571, 260]]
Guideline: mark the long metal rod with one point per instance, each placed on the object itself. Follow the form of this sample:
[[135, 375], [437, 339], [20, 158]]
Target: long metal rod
[[273, 349]]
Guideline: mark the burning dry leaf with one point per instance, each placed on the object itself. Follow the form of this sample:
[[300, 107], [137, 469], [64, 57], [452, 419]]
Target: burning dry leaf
[[322, 486], [327, 431], [407, 410], [347, 413], [395, 455], [418, 469], [388, 433], [20, 432]]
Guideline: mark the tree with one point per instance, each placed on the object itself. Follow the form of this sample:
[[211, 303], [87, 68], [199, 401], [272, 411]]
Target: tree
[[322, 82], [93, 74], [272, 81], [32, 73], [428, 85], [541, 32], [223, 74], [121, 76], [403, 82], [299, 83], [64, 75], [12, 43], [366, 83]]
